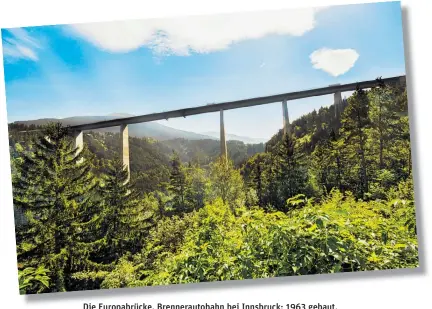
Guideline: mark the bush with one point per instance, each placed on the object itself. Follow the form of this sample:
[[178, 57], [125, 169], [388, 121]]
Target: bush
[[338, 235], [33, 280]]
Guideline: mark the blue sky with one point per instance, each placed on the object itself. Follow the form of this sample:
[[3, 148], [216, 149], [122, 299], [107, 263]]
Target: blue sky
[[140, 67]]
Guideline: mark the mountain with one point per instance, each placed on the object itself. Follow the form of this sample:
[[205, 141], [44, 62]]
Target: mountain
[[147, 129], [233, 137]]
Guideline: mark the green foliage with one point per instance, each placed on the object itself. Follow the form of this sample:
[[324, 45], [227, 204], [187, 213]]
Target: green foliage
[[177, 185], [197, 186], [292, 175], [338, 235], [334, 196], [364, 149], [226, 183], [33, 280], [149, 161], [355, 122], [122, 276], [279, 175], [55, 188], [126, 218], [187, 187], [203, 152], [297, 201]]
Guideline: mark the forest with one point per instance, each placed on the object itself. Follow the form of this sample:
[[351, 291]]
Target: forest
[[334, 195]]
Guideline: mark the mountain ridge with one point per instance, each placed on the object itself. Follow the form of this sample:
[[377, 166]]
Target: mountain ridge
[[147, 129], [235, 137]]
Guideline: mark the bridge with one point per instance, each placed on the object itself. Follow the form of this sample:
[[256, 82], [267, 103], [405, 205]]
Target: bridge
[[221, 107]]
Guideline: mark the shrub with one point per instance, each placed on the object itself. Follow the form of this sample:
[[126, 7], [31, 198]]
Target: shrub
[[338, 235]]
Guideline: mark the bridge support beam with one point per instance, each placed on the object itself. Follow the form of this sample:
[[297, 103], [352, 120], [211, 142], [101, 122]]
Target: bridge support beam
[[124, 140], [223, 146], [79, 141], [337, 103], [286, 123]]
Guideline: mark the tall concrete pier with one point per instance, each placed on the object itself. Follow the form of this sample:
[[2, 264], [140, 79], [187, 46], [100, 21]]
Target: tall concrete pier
[[79, 141], [223, 146], [336, 90], [286, 123], [124, 140], [337, 103]]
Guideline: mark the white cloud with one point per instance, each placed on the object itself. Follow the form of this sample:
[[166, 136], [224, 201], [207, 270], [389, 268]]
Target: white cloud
[[20, 46], [27, 52], [334, 61], [199, 34]]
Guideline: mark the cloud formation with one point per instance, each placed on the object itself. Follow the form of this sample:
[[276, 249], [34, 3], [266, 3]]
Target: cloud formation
[[198, 34], [334, 61], [20, 45]]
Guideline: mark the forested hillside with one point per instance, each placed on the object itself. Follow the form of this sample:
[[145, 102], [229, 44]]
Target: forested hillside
[[365, 149], [150, 158], [147, 129], [336, 195]]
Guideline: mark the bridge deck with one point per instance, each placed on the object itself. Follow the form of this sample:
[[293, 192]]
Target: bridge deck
[[235, 104]]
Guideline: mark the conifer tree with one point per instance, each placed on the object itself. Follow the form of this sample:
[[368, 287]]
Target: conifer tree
[[126, 218], [326, 163], [54, 187], [177, 185], [259, 183], [355, 123], [271, 199], [253, 172], [292, 174]]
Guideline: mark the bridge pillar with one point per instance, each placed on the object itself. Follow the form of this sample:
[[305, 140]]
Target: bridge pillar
[[124, 140], [223, 146], [286, 123], [337, 103], [79, 141]]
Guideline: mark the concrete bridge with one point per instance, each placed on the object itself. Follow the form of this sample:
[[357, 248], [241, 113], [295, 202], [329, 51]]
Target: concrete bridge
[[221, 107]]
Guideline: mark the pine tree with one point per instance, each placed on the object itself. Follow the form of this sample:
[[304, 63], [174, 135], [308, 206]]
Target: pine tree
[[326, 163], [259, 183], [292, 174], [177, 185], [126, 219], [390, 129], [355, 122], [55, 188], [271, 196], [253, 172]]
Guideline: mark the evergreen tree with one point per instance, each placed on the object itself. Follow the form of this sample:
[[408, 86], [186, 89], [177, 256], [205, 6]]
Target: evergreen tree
[[271, 196], [55, 188], [253, 172], [259, 183], [355, 122], [326, 163], [292, 174], [390, 129], [126, 218], [74, 237], [177, 185]]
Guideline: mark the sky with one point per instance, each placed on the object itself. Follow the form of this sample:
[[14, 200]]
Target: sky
[[145, 66]]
